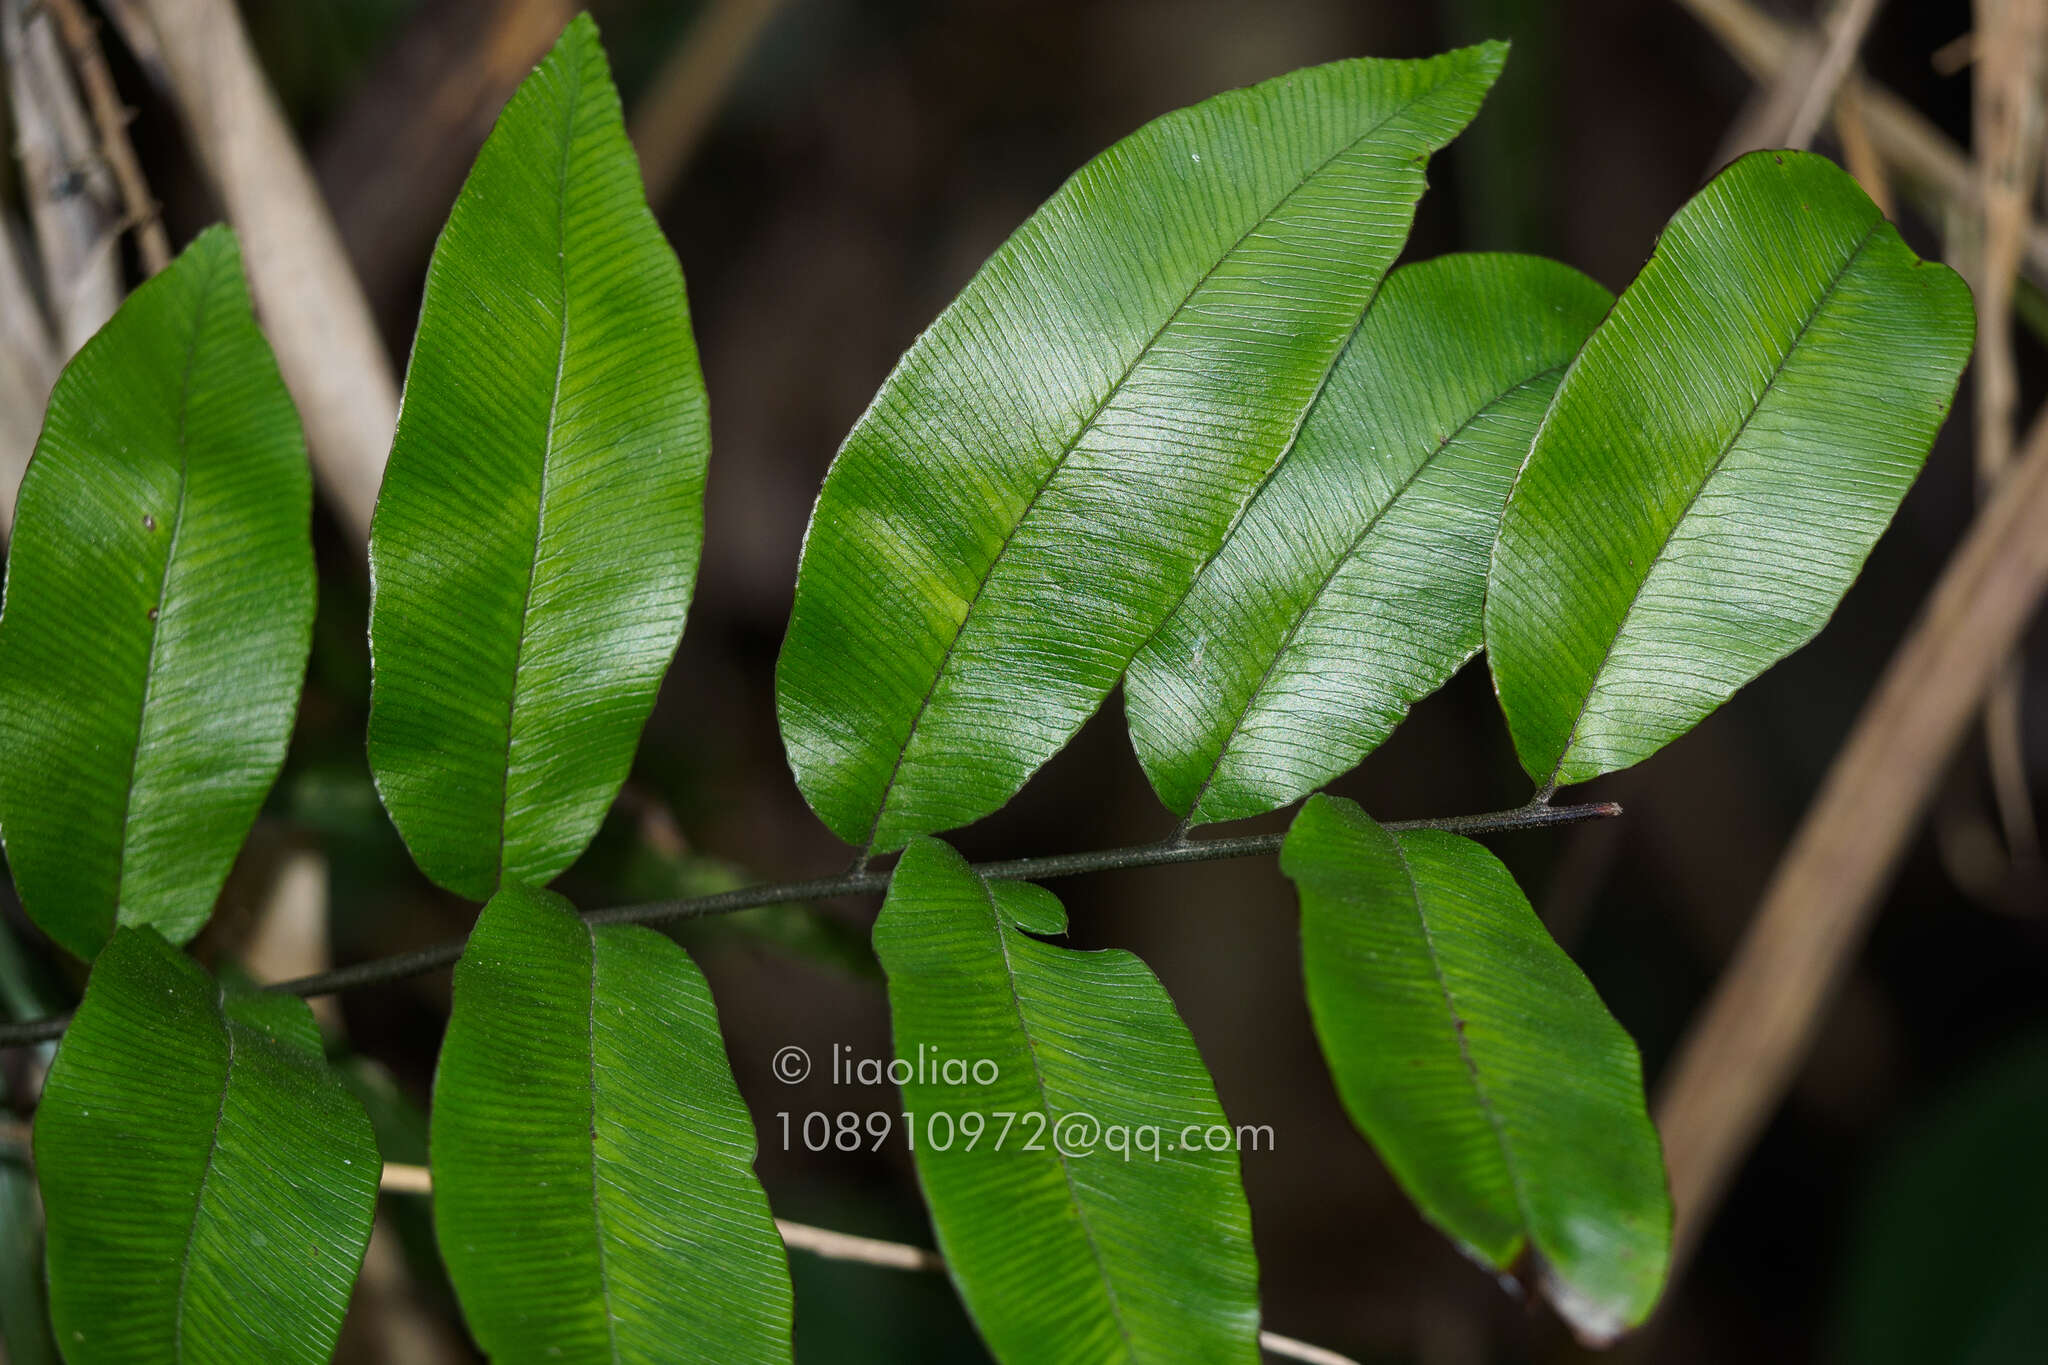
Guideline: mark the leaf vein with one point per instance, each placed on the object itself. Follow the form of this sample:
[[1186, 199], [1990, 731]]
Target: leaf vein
[[1479, 1092], [227, 1079], [163, 592], [1073, 442], [572, 97], [1045, 1107], [1336, 567], [1777, 372]]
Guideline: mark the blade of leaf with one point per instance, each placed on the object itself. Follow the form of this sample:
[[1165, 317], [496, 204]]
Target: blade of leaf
[[594, 1191], [1061, 1254], [1353, 585], [208, 1181], [536, 539], [1476, 1057], [1051, 463], [1717, 464], [159, 608]]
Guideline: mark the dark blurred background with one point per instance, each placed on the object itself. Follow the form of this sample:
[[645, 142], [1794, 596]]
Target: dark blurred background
[[865, 159]]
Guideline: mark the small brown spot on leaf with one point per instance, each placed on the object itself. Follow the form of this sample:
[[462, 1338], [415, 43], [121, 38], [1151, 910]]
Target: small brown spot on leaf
[[148, 522]]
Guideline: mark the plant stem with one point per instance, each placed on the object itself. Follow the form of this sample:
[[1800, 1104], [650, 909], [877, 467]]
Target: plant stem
[[112, 118], [842, 1246], [1535, 815], [823, 1242]]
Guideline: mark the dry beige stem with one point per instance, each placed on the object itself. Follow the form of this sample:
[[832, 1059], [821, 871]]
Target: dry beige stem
[[1806, 79], [391, 161], [2009, 116], [76, 229], [72, 201], [1859, 153], [1746, 1045], [137, 36], [310, 304], [289, 936], [843, 1246], [1766, 116], [671, 118], [1930, 165], [112, 118], [28, 367], [1955, 54], [1846, 28]]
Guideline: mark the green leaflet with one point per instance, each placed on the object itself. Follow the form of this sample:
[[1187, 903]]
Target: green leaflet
[[594, 1195], [159, 607], [1064, 1251], [1717, 464], [209, 1181], [1048, 467], [536, 539], [1480, 1063], [1353, 584]]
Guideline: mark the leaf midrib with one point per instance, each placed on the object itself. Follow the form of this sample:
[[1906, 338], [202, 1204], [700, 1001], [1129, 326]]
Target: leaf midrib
[[1479, 1092], [163, 591], [227, 1079], [1088, 425], [1315, 598], [604, 1278], [1039, 1088], [573, 97], [1820, 305]]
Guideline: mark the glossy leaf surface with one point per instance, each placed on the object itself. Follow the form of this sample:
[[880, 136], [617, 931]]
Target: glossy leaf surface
[[1354, 583], [1048, 467], [209, 1181], [1064, 1250], [1718, 463], [1476, 1057], [594, 1194], [536, 540], [159, 607]]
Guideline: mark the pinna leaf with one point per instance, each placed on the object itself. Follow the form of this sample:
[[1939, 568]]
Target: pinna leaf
[[1500, 1093], [1054, 459], [1717, 464], [594, 1194], [159, 608], [1353, 584], [535, 542], [209, 1180], [1063, 1248]]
